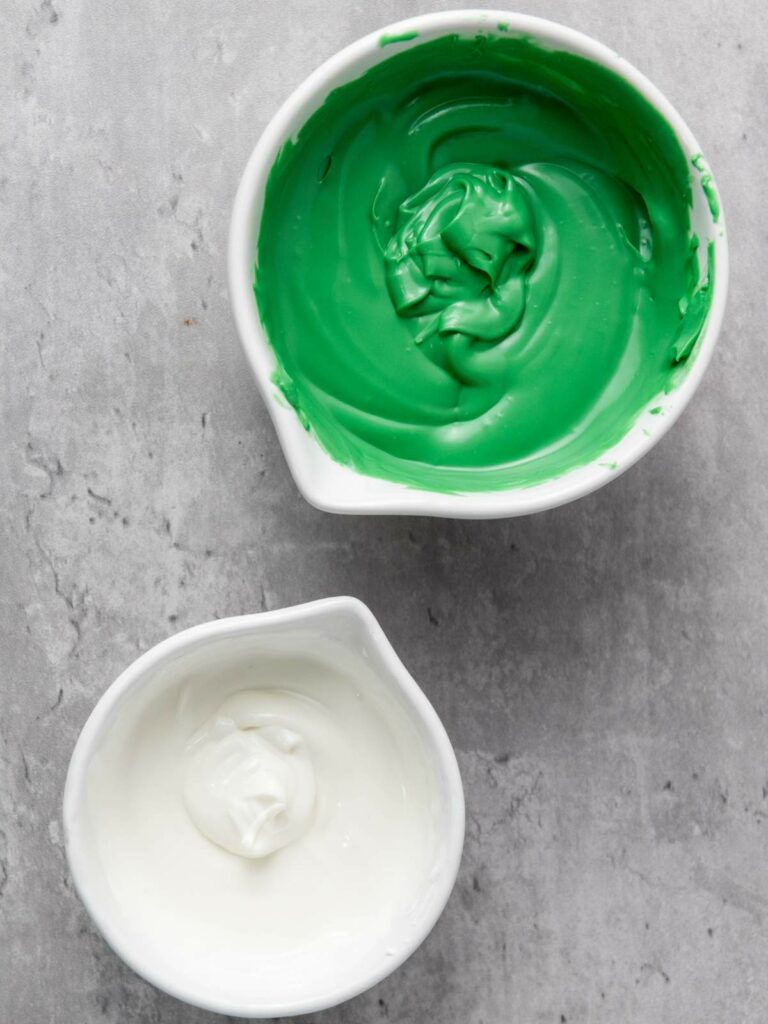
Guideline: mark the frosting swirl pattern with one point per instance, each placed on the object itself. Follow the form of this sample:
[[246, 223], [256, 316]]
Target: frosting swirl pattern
[[476, 266]]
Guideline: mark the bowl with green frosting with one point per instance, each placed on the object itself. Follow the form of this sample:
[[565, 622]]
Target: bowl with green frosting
[[478, 264]]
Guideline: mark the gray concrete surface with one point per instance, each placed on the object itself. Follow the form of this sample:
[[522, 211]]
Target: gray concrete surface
[[601, 669]]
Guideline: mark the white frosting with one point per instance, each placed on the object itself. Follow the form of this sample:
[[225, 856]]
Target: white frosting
[[273, 815], [249, 785]]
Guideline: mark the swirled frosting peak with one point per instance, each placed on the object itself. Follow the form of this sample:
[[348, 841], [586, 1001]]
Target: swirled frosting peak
[[249, 783], [459, 259]]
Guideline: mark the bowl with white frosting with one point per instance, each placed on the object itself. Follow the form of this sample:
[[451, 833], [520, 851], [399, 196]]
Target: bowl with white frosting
[[264, 814]]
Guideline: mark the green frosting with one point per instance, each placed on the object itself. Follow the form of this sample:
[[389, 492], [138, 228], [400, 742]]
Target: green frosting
[[707, 186], [459, 261], [404, 37], [476, 266]]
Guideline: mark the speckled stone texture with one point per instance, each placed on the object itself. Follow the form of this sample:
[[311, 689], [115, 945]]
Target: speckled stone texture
[[601, 668]]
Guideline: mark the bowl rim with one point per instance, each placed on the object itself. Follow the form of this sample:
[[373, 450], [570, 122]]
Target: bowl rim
[[97, 726], [339, 489]]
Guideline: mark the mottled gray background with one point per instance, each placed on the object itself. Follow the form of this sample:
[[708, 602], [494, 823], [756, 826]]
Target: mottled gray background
[[601, 668]]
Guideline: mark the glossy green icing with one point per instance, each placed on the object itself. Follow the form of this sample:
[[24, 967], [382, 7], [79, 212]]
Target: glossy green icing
[[476, 267], [707, 186], [404, 37], [459, 260]]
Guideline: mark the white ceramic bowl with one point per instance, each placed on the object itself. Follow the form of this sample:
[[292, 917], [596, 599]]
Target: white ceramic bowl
[[347, 624], [335, 488]]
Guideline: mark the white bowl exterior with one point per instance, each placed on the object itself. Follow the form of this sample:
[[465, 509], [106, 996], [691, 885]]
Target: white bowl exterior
[[349, 623], [335, 488]]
